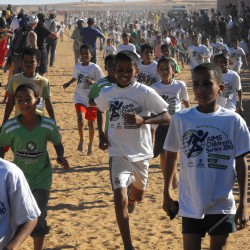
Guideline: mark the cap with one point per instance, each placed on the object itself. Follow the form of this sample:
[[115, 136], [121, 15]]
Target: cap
[[32, 19], [91, 20], [240, 20]]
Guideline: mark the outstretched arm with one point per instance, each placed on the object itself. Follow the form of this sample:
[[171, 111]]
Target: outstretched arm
[[60, 156], [9, 107], [101, 119]]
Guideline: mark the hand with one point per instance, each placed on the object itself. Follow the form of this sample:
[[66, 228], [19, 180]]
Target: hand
[[63, 162], [241, 217], [89, 81], [103, 141], [240, 111], [170, 206], [66, 85], [132, 118]]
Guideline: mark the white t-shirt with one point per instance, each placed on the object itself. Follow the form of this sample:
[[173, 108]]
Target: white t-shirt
[[122, 47], [217, 48], [172, 93], [194, 52], [82, 73], [149, 71], [236, 56], [208, 145], [232, 84], [109, 50], [130, 141], [17, 204]]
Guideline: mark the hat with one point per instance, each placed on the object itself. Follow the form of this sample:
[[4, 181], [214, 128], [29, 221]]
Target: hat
[[240, 20], [41, 17], [32, 19], [91, 20]]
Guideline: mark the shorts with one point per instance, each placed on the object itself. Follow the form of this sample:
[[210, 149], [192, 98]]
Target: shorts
[[42, 197], [160, 136], [208, 225], [18, 64], [90, 112], [123, 173]]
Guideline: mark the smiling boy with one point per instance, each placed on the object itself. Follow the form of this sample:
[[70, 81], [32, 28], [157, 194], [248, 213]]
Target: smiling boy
[[131, 106]]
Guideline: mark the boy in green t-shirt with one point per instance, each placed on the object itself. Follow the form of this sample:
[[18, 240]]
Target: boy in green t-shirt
[[28, 135]]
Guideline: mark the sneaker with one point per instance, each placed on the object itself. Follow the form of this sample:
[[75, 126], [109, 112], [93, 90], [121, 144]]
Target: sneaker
[[131, 205]]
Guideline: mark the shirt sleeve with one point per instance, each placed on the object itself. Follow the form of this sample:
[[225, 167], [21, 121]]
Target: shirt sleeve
[[101, 101]]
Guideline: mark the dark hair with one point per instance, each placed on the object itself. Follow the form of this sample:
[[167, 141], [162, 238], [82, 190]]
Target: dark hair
[[165, 46], [208, 67], [126, 34], [26, 86], [32, 52], [221, 56], [146, 46], [168, 60], [109, 58], [85, 46], [127, 55]]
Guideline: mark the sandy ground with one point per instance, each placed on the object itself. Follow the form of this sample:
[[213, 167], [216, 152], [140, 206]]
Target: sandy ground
[[81, 212]]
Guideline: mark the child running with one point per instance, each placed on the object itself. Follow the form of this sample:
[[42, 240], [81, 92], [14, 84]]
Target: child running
[[174, 92], [85, 73], [130, 105], [213, 144], [28, 135]]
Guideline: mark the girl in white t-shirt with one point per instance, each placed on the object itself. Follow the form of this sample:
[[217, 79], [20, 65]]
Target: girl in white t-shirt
[[109, 49], [175, 93], [85, 73]]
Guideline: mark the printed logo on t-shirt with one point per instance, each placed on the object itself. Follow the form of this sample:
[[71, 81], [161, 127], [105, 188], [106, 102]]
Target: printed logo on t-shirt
[[2, 208], [83, 82], [30, 152], [145, 78], [214, 143], [117, 109], [228, 89], [172, 100]]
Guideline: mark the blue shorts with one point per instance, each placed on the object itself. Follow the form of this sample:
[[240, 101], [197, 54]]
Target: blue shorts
[[42, 197], [213, 224]]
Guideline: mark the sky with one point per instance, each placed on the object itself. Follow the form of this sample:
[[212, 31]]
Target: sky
[[42, 2]]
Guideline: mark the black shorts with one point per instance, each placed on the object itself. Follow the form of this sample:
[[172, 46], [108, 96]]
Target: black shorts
[[213, 224], [160, 136], [43, 67]]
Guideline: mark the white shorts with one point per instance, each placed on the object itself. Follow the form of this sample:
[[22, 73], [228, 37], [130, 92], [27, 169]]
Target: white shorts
[[123, 173]]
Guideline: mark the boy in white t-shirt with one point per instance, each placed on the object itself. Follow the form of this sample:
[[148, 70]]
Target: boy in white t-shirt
[[19, 210], [174, 92], [109, 49], [85, 73], [213, 143], [148, 67], [232, 85], [126, 45], [132, 107], [197, 52], [237, 56]]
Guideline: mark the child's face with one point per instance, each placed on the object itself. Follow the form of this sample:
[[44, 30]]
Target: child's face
[[126, 72], [148, 56], [235, 44], [30, 64], [125, 40], [110, 68], [166, 72], [26, 101], [195, 40], [223, 64], [108, 42], [85, 56], [165, 52], [206, 87]]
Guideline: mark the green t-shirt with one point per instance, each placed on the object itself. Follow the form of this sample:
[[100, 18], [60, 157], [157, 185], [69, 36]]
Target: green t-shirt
[[30, 149], [95, 90]]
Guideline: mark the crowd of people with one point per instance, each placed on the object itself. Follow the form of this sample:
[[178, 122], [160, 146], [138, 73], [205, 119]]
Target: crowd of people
[[142, 111]]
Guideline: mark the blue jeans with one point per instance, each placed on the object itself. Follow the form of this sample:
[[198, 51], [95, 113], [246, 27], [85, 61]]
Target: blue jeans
[[51, 47]]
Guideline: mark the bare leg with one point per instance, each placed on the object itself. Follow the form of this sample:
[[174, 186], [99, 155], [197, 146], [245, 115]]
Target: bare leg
[[38, 242], [191, 242], [80, 125], [91, 125], [219, 242]]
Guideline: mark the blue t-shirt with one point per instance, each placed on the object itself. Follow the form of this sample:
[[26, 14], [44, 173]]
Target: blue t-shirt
[[89, 36]]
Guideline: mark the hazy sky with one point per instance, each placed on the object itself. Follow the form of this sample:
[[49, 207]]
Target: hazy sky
[[40, 2]]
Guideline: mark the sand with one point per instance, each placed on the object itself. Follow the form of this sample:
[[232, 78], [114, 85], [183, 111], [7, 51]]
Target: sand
[[81, 212]]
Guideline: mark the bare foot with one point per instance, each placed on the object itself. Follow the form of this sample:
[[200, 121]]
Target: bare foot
[[90, 150], [80, 146]]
